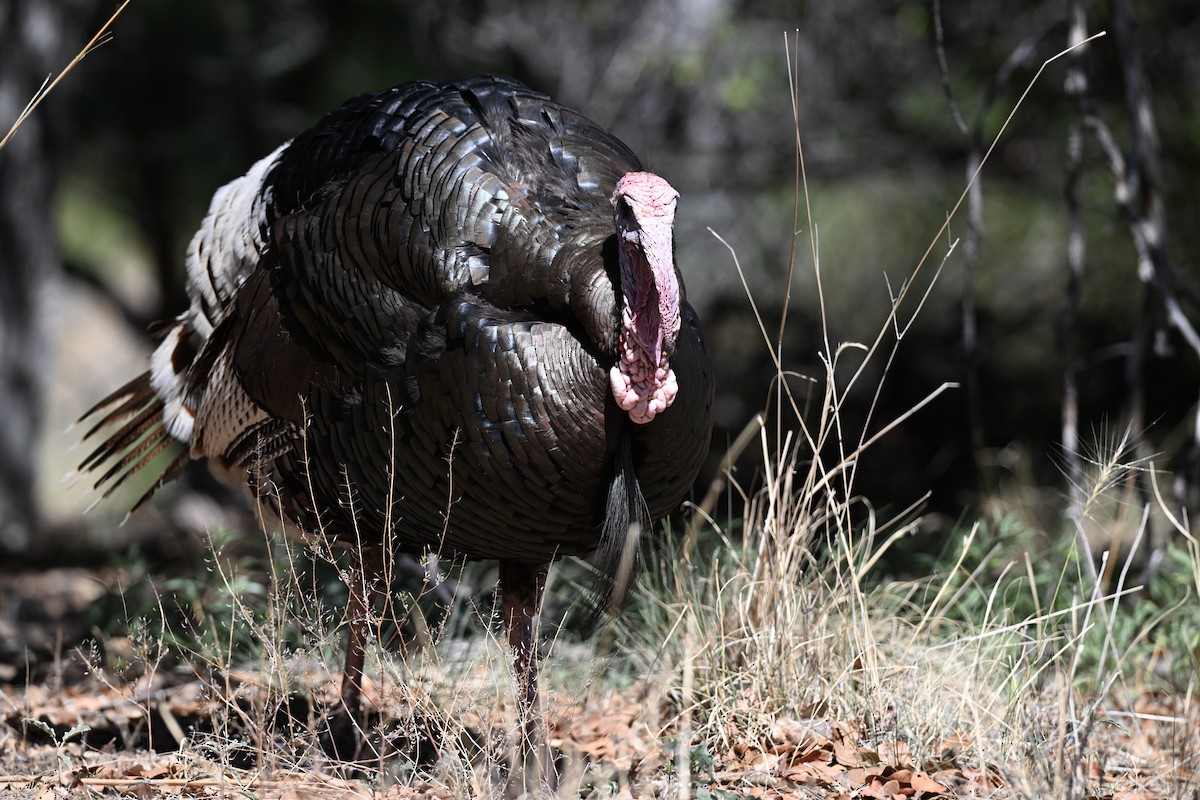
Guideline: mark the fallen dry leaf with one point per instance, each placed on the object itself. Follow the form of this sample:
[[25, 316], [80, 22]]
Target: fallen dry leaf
[[923, 783], [846, 754]]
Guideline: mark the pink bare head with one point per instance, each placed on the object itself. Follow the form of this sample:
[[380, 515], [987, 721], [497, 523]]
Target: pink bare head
[[643, 382]]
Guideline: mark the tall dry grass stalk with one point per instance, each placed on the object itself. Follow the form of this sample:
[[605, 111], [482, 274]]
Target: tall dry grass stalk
[[102, 37]]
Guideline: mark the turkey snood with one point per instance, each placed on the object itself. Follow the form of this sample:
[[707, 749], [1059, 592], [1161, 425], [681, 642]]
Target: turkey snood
[[643, 382]]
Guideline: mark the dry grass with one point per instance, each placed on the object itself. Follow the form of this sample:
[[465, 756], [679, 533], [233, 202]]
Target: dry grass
[[788, 627]]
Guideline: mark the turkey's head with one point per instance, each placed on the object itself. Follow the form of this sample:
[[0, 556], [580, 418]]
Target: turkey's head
[[643, 383]]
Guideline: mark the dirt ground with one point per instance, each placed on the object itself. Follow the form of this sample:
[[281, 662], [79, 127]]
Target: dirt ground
[[68, 729]]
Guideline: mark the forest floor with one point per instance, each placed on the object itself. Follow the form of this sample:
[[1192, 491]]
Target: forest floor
[[603, 748], [71, 731]]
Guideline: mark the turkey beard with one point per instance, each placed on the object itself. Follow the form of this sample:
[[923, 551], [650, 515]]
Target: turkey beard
[[643, 383]]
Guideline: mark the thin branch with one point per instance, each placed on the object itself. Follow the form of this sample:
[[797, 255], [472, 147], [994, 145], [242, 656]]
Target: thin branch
[[943, 67], [1020, 56], [1147, 230], [1076, 255]]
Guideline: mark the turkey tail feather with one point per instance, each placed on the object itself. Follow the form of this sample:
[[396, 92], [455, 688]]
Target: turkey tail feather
[[139, 439], [626, 520]]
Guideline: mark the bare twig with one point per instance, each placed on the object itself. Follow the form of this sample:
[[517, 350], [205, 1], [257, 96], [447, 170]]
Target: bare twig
[[944, 68], [971, 245], [1022, 55]]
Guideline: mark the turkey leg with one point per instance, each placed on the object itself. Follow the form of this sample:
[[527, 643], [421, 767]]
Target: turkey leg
[[344, 725], [364, 590], [521, 588]]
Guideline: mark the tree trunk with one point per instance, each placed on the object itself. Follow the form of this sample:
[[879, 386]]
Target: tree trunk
[[37, 38]]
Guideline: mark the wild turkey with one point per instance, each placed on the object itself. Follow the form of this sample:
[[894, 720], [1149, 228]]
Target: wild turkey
[[447, 318]]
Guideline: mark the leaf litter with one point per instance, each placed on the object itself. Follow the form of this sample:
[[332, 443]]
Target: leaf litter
[[93, 739]]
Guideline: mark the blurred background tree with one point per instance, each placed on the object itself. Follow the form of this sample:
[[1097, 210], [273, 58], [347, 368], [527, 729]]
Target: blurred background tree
[[35, 39], [188, 95]]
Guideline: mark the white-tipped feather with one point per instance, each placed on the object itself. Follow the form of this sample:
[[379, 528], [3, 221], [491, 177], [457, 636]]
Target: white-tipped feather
[[170, 386], [224, 251], [228, 244]]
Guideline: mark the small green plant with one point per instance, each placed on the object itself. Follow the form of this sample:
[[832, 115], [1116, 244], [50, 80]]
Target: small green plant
[[60, 742]]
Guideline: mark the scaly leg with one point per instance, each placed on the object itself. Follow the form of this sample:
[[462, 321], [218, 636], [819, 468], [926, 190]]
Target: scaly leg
[[344, 725], [521, 588]]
